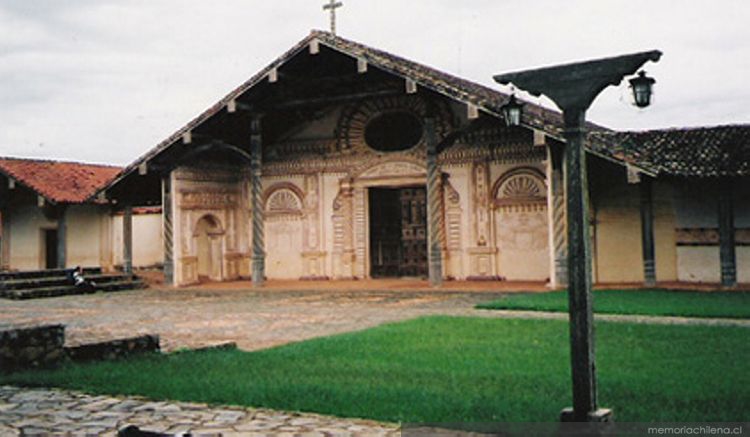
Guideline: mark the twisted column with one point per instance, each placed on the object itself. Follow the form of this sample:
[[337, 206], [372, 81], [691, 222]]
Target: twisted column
[[434, 209], [259, 255], [558, 222], [167, 219]]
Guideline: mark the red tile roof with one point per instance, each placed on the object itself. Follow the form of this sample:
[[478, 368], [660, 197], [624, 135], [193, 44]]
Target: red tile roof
[[699, 152], [62, 182]]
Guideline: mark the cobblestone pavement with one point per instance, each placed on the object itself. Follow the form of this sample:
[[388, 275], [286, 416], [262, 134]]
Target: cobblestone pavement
[[57, 412]]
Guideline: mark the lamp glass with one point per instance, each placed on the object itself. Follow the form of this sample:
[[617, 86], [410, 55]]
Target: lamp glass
[[512, 112], [642, 86]]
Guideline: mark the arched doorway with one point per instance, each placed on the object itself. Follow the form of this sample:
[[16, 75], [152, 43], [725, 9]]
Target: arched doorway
[[208, 241]]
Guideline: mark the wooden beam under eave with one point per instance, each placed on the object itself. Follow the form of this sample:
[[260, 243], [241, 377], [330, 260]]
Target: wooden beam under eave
[[472, 111], [187, 137], [634, 176], [361, 65], [11, 183], [411, 86], [273, 75], [40, 201], [232, 106], [540, 138], [314, 47], [143, 168]]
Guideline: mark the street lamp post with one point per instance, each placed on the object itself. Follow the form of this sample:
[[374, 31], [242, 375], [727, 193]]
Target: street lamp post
[[573, 87]]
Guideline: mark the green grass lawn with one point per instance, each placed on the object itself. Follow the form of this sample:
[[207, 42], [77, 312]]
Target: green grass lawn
[[724, 304], [444, 369]]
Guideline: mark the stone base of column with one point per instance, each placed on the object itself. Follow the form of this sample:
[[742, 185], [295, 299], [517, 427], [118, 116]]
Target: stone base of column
[[600, 415], [259, 264]]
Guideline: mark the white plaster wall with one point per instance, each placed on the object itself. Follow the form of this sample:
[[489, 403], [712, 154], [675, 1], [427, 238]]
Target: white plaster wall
[[148, 241], [84, 223], [743, 264], [698, 264], [83, 239], [26, 242]]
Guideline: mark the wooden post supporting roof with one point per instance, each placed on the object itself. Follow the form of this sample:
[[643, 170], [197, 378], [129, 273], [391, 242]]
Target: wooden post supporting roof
[[573, 87], [434, 206], [647, 232], [256, 150], [62, 238], [127, 240], [727, 250], [167, 232], [579, 269]]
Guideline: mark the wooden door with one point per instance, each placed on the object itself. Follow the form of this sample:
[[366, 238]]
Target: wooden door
[[413, 231]]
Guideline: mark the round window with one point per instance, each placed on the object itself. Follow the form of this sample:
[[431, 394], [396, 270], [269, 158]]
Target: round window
[[393, 131]]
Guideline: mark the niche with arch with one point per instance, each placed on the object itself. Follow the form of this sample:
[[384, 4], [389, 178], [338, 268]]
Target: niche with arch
[[284, 224], [521, 231], [208, 235]]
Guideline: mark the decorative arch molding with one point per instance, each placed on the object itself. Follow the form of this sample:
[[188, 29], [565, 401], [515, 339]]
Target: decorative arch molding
[[214, 222], [401, 170], [520, 186], [283, 198], [354, 119]]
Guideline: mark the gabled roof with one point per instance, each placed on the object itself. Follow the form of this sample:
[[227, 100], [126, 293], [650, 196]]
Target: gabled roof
[[485, 98], [58, 181], [676, 152], [702, 151]]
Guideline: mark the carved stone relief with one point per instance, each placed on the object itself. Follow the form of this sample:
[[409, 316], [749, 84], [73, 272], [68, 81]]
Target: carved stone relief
[[481, 203], [343, 251]]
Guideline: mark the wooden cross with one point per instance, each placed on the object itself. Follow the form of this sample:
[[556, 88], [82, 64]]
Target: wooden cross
[[332, 6]]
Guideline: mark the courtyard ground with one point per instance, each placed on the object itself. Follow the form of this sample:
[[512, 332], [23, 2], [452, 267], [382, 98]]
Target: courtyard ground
[[258, 319]]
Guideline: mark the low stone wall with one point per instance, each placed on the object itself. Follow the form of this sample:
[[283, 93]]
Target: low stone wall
[[26, 347], [23, 347], [113, 349]]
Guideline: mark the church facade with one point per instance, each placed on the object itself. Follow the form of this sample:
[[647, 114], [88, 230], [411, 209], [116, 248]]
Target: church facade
[[340, 161]]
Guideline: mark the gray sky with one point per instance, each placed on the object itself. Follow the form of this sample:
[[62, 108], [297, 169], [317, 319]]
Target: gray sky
[[106, 80]]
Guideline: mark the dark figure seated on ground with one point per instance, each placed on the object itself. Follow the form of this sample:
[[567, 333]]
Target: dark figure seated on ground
[[76, 276]]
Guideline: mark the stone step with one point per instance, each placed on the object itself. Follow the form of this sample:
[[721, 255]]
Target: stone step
[[55, 291], [56, 281], [29, 274]]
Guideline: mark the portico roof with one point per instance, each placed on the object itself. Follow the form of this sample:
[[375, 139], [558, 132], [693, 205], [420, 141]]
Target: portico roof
[[640, 150], [693, 152], [486, 99]]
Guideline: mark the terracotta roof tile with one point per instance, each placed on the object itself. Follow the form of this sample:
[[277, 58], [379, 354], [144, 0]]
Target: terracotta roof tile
[[63, 182], [703, 151]]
